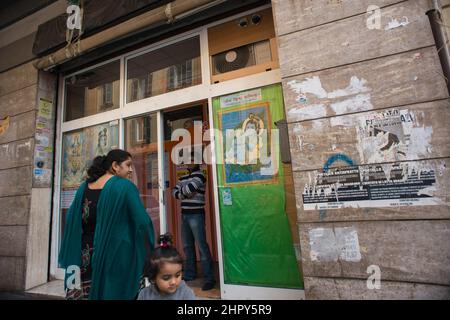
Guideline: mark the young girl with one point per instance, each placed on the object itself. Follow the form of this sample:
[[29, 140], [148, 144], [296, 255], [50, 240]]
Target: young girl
[[164, 272]]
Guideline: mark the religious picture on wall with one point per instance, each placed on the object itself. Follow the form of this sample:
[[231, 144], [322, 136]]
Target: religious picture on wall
[[102, 142], [246, 133], [103, 138], [73, 159], [82, 146]]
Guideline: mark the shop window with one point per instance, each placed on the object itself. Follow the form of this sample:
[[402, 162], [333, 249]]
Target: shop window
[[105, 97], [180, 76], [181, 119], [140, 88], [79, 148], [141, 142], [92, 92], [140, 131], [170, 68], [243, 46]]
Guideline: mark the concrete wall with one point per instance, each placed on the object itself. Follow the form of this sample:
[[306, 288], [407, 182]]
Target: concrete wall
[[24, 199], [25, 196], [341, 73], [18, 94], [38, 237]]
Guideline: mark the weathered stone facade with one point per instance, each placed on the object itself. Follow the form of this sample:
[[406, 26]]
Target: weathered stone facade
[[341, 71]]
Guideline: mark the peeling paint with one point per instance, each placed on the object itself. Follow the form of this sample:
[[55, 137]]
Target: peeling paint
[[328, 245], [348, 244], [356, 86], [312, 111], [430, 191], [392, 135], [23, 154], [317, 125], [357, 90], [310, 85], [387, 168], [322, 242], [394, 23], [359, 103], [418, 56], [442, 168], [420, 142], [346, 122], [314, 86]]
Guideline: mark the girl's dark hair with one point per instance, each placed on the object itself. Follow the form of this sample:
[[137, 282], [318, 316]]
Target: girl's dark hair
[[166, 252], [101, 164]]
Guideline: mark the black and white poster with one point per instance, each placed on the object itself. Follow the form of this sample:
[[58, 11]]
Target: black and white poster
[[387, 185]]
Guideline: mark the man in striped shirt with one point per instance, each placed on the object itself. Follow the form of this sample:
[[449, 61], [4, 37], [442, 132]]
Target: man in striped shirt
[[190, 189]]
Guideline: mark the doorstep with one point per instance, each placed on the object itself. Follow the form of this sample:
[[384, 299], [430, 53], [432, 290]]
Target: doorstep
[[53, 289], [196, 286]]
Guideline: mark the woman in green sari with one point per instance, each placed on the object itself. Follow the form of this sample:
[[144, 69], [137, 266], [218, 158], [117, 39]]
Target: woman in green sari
[[108, 234]]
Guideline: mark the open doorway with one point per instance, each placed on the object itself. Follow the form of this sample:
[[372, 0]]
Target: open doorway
[[142, 141], [187, 117]]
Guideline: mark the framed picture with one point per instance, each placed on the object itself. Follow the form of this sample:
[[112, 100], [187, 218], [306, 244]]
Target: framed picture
[[246, 142]]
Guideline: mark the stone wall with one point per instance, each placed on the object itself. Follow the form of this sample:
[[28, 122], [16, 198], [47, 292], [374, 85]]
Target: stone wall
[[18, 96], [25, 198], [367, 103]]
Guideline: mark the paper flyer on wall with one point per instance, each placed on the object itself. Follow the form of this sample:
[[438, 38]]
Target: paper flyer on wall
[[392, 185]]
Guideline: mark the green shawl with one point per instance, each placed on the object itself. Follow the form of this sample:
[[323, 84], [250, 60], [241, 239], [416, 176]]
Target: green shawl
[[123, 240]]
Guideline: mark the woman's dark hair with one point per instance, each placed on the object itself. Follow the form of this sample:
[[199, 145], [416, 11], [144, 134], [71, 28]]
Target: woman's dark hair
[[102, 164], [165, 253]]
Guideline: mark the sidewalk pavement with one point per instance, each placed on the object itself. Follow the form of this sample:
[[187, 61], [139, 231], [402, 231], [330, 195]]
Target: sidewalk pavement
[[25, 296]]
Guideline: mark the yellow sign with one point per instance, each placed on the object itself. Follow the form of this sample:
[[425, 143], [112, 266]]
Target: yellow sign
[[45, 109]]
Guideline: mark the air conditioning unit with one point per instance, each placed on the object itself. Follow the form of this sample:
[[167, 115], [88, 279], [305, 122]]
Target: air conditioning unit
[[243, 46]]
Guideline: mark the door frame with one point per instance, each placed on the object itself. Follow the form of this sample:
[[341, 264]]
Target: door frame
[[162, 173]]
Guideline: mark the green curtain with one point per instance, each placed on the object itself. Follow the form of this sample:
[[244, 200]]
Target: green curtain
[[256, 238]]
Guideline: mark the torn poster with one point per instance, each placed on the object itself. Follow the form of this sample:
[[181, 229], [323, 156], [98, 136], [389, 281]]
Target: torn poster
[[387, 185], [328, 244], [392, 135]]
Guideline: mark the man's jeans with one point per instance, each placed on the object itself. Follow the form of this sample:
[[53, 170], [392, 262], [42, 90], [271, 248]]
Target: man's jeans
[[193, 229]]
